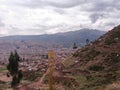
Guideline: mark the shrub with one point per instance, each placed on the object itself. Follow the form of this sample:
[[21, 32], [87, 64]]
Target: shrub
[[91, 54], [96, 68], [109, 41], [113, 58]]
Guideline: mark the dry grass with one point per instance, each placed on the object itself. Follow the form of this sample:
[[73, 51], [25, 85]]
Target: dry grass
[[69, 61], [114, 86]]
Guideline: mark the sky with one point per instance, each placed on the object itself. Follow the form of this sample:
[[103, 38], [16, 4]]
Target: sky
[[34, 17]]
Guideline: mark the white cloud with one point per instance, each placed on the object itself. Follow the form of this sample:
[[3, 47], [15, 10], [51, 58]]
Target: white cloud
[[51, 16]]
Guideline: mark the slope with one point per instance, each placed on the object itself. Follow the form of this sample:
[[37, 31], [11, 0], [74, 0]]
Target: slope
[[98, 62]]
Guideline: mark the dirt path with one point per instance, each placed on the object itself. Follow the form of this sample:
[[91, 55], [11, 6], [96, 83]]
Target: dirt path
[[40, 82], [61, 87], [4, 78]]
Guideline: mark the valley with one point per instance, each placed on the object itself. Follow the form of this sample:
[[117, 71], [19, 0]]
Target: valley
[[94, 66]]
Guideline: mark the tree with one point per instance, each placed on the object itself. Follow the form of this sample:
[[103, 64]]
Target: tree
[[87, 41], [75, 46], [13, 68]]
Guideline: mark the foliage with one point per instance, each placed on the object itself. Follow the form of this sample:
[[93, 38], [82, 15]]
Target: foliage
[[109, 41], [96, 68], [115, 36], [91, 54], [87, 41], [113, 58], [2, 69], [31, 75], [78, 53], [13, 68], [75, 46], [71, 62], [81, 78]]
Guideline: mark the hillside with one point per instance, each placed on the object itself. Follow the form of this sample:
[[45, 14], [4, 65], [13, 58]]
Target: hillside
[[98, 64]]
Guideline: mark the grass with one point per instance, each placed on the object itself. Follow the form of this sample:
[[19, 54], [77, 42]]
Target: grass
[[31, 75], [2, 69], [81, 78], [96, 68], [6, 89], [86, 88], [94, 83], [69, 61]]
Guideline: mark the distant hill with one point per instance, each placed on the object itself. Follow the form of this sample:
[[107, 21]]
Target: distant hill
[[98, 63], [66, 39], [40, 44]]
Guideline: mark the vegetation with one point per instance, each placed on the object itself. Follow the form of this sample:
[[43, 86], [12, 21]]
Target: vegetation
[[87, 41], [31, 75], [75, 46], [2, 69], [109, 41], [13, 68], [69, 61], [96, 68], [113, 58], [91, 54], [101, 59]]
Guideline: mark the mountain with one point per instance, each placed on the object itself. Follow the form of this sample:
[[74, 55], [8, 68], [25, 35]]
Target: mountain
[[97, 66], [39, 44], [66, 39]]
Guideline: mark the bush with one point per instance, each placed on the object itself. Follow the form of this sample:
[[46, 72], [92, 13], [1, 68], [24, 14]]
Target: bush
[[113, 58], [109, 41], [31, 75], [91, 54], [96, 68]]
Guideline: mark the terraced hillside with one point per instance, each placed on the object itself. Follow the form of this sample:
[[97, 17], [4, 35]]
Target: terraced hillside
[[97, 65]]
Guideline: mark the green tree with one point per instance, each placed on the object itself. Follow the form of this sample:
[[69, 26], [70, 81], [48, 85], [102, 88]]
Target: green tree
[[87, 41], [13, 68], [75, 46]]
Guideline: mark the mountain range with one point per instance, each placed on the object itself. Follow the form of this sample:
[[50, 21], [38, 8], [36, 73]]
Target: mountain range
[[65, 39]]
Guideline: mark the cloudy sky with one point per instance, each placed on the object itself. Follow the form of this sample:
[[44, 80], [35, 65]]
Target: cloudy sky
[[21, 17]]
